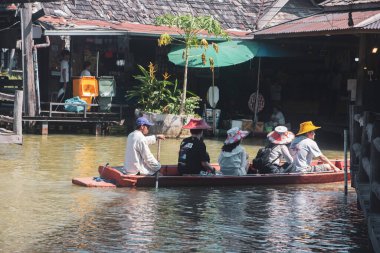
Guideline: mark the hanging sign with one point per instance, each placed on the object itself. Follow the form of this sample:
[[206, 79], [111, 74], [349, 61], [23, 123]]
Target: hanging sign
[[213, 96]]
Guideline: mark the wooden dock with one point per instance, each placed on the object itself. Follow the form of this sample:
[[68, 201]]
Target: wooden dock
[[99, 120], [365, 168], [15, 136]]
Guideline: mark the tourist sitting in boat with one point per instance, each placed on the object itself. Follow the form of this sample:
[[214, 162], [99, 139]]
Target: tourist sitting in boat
[[276, 119], [193, 157], [303, 149], [138, 157], [279, 140], [233, 160]]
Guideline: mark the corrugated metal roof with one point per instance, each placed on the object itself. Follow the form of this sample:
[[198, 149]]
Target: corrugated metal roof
[[62, 26], [345, 3], [336, 21], [232, 14]]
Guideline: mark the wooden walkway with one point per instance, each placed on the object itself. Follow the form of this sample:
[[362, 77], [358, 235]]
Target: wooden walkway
[[365, 168], [57, 115]]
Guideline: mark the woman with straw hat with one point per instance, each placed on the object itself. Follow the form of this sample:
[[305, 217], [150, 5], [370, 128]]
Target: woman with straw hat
[[304, 149], [193, 157], [279, 139], [233, 159]]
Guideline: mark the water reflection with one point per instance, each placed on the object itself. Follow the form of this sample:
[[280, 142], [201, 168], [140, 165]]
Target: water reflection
[[43, 212]]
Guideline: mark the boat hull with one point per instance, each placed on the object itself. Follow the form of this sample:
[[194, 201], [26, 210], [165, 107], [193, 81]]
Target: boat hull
[[171, 178]]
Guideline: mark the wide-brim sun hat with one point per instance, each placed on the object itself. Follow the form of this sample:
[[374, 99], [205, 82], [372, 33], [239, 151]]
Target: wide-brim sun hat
[[280, 135], [306, 127], [197, 124], [235, 135]]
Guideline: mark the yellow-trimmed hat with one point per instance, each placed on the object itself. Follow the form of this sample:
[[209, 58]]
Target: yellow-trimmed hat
[[306, 127]]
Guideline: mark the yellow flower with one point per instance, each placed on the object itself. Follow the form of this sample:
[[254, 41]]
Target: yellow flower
[[203, 59], [166, 76], [164, 40], [204, 43], [216, 47], [152, 70], [211, 64]]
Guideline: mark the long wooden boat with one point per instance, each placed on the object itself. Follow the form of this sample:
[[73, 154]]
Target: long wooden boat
[[114, 177]]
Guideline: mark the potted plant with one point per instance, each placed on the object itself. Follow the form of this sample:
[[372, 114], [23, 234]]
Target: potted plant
[[190, 28], [159, 100]]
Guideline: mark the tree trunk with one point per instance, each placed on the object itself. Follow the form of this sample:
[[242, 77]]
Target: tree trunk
[[184, 90]]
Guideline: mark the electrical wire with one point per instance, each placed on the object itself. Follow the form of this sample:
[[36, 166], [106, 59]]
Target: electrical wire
[[9, 27]]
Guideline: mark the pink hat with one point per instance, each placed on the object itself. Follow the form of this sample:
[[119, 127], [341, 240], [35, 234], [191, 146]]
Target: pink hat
[[235, 135], [197, 124], [280, 135]]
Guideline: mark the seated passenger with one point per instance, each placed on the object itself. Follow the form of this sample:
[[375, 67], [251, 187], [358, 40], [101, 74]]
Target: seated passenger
[[276, 119], [279, 139], [233, 159], [303, 149], [193, 157]]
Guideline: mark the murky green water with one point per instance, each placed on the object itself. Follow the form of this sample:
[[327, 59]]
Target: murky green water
[[41, 211]]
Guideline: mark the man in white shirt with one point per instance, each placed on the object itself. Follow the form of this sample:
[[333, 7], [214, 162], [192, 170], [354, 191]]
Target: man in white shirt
[[304, 149], [64, 74], [138, 157]]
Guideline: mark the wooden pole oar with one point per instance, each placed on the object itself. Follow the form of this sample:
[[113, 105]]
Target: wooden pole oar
[[158, 159]]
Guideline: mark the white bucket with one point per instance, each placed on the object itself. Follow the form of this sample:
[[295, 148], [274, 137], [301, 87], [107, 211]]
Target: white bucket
[[236, 123]]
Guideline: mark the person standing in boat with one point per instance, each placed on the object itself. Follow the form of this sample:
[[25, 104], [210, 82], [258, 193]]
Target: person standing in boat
[[193, 157], [233, 160], [138, 157], [279, 139], [303, 149]]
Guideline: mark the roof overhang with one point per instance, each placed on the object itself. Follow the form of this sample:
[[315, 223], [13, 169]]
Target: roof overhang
[[80, 27], [325, 24]]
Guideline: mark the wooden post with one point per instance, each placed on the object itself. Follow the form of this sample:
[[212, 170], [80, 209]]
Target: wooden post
[[45, 128], [98, 129], [361, 74], [17, 113], [27, 60]]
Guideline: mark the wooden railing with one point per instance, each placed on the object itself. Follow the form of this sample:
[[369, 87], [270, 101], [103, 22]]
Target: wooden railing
[[15, 136], [366, 156]]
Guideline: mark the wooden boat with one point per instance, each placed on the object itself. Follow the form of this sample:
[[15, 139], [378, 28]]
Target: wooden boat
[[113, 176]]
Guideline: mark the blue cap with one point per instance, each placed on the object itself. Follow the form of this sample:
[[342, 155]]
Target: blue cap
[[143, 121]]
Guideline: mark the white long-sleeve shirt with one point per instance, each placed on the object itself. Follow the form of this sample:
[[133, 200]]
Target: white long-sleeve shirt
[[234, 162], [138, 157]]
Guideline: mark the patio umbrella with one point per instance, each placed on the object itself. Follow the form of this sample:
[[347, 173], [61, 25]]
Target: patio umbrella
[[230, 53]]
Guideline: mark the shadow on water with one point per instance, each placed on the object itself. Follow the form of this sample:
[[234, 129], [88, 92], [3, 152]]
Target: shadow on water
[[46, 213]]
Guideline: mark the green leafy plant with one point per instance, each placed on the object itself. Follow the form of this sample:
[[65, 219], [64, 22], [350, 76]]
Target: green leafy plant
[[190, 27], [160, 96]]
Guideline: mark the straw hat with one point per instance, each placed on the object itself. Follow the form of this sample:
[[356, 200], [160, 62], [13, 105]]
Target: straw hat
[[280, 135], [196, 124], [306, 127], [235, 135]]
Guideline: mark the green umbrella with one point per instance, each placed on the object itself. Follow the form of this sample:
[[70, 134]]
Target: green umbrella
[[230, 53]]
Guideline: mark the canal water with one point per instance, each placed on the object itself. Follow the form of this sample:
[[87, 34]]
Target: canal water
[[41, 211]]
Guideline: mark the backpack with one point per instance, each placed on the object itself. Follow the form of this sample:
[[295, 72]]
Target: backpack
[[261, 161]]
